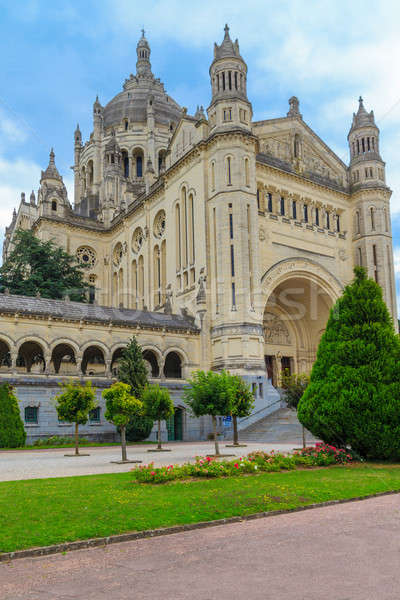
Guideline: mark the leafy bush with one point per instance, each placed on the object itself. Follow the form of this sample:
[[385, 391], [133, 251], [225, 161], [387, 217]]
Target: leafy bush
[[253, 463], [139, 429], [12, 432], [353, 398]]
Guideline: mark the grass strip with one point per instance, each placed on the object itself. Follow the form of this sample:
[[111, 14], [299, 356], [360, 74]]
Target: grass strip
[[40, 512]]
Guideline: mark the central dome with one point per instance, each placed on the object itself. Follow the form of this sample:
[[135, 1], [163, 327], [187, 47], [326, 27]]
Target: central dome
[[142, 91]]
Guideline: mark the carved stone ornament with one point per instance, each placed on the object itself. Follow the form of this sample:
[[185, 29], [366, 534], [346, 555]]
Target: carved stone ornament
[[275, 331], [137, 239], [86, 256], [261, 234], [159, 224], [117, 254]]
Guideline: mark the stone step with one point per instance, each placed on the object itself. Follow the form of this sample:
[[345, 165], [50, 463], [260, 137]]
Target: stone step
[[281, 426]]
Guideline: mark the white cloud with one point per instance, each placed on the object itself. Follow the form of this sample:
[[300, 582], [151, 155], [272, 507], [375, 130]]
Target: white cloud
[[15, 177]]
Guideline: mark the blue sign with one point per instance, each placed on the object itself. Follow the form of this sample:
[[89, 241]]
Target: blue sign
[[227, 421]]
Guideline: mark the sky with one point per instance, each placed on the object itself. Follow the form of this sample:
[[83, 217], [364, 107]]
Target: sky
[[57, 56]]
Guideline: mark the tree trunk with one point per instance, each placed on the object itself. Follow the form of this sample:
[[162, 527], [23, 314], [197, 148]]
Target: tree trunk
[[123, 442], [304, 435], [159, 434], [76, 439], [235, 431], [214, 420]]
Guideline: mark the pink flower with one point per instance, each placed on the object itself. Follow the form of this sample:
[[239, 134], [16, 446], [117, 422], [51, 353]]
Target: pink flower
[[152, 473]]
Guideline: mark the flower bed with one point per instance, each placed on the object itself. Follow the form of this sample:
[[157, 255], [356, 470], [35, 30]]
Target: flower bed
[[319, 455]]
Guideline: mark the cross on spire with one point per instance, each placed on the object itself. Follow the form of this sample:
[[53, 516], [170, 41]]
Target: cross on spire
[[226, 29], [143, 32]]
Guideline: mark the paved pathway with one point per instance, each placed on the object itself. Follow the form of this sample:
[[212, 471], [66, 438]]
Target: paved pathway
[[345, 552], [33, 464]]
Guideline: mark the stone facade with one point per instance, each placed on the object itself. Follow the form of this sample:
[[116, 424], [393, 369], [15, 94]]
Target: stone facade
[[248, 229]]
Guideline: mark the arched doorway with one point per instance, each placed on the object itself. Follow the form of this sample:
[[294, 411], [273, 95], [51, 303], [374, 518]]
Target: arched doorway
[[150, 358], [31, 358], [93, 362], [116, 357], [299, 298], [173, 366], [5, 356], [175, 425], [63, 360]]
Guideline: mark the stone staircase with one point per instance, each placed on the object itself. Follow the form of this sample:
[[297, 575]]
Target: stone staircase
[[282, 426]]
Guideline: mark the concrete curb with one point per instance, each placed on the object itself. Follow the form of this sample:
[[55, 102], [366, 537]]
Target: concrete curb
[[149, 533]]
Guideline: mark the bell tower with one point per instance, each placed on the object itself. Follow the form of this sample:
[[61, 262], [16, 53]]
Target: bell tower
[[228, 73], [372, 235]]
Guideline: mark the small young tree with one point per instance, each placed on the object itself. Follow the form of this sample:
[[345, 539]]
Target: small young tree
[[121, 406], [354, 393], [294, 386], [75, 404], [210, 394], [132, 368], [158, 406], [12, 432], [242, 403]]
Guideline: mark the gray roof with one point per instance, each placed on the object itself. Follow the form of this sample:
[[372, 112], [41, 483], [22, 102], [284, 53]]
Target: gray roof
[[132, 104], [77, 311]]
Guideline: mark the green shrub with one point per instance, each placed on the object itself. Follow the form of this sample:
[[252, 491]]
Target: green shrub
[[353, 399], [12, 432], [139, 429]]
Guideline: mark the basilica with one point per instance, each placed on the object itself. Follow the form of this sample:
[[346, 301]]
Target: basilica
[[219, 241]]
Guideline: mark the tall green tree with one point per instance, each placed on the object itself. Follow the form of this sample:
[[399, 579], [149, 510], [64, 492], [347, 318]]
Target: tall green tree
[[36, 267], [212, 394], [12, 432], [354, 393], [158, 406], [74, 405], [121, 406], [132, 368], [242, 403], [294, 386]]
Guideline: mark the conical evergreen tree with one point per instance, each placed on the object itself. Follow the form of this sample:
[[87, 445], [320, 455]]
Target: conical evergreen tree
[[132, 368], [354, 394], [12, 432]]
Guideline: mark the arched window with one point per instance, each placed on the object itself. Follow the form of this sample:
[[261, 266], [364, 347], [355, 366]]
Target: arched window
[[157, 275], [359, 257], [178, 235], [5, 356], [228, 171], [31, 358], [63, 360], [125, 163], [372, 217], [213, 176], [161, 160], [191, 228], [93, 362], [138, 160], [184, 228], [134, 284], [358, 221], [121, 288], [54, 205], [141, 282], [246, 172]]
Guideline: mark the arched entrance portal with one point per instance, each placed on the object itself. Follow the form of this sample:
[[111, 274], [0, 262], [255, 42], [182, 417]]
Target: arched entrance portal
[[299, 299]]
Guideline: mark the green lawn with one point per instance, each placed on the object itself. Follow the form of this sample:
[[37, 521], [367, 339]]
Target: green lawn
[[47, 511]]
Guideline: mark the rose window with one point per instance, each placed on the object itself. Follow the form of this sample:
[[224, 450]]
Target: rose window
[[159, 224], [137, 239], [86, 256], [117, 254]]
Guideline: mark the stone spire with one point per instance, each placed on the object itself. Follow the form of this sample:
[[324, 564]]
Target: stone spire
[[32, 198], [51, 172], [143, 65], [227, 48], [362, 118]]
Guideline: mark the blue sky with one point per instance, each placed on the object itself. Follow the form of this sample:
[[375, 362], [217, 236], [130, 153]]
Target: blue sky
[[56, 56]]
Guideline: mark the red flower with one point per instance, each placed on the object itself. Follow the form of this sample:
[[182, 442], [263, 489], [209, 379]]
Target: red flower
[[152, 473], [236, 466]]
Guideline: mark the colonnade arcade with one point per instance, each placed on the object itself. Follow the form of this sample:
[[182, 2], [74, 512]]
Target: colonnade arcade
[[299, 295], [33, 356]]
